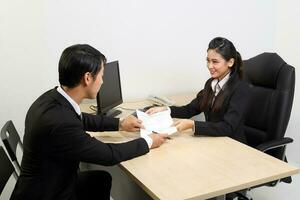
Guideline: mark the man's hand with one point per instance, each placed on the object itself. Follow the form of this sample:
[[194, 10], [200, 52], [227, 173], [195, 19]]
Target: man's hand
[[184, 124], [158, 139], [130, 124], [156, 110]]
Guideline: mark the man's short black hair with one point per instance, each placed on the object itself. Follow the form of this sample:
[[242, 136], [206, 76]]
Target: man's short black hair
[[76, 60]]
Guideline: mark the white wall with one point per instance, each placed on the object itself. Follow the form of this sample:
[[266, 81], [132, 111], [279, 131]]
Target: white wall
[[161, 45], [287, 42], [153, 38], [23, 69]]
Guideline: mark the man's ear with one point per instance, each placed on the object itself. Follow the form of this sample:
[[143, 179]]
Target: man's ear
[[86, 79]]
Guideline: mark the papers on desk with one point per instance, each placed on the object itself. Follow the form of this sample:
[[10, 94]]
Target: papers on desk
[[160, 122]]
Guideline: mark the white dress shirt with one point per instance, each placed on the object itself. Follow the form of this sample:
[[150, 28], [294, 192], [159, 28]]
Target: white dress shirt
[[70, 100], [217, 85]]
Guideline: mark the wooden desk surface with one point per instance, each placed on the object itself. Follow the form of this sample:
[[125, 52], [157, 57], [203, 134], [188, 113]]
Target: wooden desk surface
[[189, 167]]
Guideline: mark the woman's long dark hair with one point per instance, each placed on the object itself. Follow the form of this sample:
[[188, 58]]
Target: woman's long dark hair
[[227, 50]]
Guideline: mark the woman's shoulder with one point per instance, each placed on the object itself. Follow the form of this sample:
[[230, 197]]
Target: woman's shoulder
[[244, 83], [242, 87], [239, 82], [208, 82], [237, 85], [207, 85]]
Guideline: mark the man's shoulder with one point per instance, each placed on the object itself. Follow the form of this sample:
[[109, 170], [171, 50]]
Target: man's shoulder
[[44, 101], [50, 106]]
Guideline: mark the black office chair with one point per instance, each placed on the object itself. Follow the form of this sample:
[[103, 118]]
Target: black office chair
[[11, 139], [6, 169], [272, 83]]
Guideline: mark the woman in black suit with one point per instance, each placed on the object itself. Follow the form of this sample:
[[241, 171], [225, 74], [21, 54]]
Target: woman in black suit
[[223, 100]]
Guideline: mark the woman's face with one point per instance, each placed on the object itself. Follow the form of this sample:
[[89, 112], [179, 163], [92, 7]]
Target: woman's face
[[217, 65]]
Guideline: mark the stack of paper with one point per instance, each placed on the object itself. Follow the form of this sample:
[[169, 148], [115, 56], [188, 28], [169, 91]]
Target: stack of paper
[[160, 122]]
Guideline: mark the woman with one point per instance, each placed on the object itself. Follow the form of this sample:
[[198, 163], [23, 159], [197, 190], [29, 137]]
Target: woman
[[223, 100]]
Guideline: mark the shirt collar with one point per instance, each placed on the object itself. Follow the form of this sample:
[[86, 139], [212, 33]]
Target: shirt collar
[[70, 100], [221, 82]]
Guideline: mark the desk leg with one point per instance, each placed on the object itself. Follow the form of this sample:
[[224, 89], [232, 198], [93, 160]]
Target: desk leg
[[123, 187], [223, 197]]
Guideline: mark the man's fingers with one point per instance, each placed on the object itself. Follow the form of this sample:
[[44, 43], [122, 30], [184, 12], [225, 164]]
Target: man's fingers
[[164, 135], [138, 124]]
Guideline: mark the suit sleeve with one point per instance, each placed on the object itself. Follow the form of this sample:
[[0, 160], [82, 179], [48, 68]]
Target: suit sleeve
[[234, 115], [187, 111], [69, 141], [99, 122]]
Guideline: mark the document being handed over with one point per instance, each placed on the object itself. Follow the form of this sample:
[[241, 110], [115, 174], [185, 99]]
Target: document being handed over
[[160, 122]]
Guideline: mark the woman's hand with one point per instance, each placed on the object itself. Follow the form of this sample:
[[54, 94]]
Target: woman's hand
[[156, 110], [183, 124]]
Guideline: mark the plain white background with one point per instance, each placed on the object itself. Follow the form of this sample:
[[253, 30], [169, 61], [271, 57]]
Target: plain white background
[[161, 47]]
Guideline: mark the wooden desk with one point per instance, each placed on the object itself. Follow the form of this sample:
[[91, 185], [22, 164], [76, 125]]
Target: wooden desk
[[189, 167]]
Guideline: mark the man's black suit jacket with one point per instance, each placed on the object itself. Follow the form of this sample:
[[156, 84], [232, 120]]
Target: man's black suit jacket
[[55, 142], [228, 121]]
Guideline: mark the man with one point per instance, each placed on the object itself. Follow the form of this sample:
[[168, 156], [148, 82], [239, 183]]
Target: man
[[55, 140]]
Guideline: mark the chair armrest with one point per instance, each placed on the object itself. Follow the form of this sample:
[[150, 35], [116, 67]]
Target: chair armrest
[[274, 144]]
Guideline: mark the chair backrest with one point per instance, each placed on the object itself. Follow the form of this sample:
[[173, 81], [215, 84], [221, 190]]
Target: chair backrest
[[273, 84], [6, 169], [11, 139]]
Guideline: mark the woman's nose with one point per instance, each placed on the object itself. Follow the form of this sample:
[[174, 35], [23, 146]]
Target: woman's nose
[[209, 66]]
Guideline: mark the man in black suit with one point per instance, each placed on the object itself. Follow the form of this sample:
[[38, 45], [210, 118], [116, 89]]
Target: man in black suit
[[55, 140]]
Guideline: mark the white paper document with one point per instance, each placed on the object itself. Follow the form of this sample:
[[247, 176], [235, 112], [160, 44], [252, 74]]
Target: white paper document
[[160, 122]]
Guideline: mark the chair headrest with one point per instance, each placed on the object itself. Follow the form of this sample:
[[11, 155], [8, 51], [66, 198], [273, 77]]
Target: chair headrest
[[263, 69]]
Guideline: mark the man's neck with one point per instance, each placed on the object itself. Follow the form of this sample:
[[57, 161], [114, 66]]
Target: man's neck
[[75, 93]]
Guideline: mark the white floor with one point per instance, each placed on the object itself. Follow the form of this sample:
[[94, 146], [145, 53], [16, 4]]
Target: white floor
[[282, 191]]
